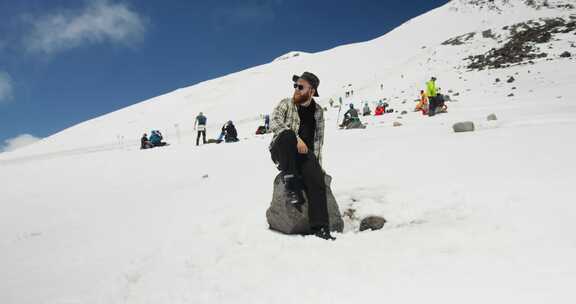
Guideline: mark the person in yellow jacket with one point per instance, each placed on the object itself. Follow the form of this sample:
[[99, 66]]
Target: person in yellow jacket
[[423, 104], [431, 91]]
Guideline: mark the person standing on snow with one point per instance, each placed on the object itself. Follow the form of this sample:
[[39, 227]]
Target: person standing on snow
[[267, 122], [296, 149], [431, 92], [200, 124]]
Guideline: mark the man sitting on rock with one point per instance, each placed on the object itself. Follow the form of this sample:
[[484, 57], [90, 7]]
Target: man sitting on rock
[[296, 148]]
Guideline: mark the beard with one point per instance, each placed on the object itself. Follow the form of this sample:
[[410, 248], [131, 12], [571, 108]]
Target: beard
[[301, 98]]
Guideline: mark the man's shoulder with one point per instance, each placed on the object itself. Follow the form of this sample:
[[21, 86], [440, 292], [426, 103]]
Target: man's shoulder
[[284, 103], [285, 100]]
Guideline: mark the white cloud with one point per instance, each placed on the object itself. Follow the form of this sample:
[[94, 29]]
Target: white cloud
[[18, 142], [6, 89], [98, 22]]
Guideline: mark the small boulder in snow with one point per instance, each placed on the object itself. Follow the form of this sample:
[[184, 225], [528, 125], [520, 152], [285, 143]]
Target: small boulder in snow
[[286, 218], [396, 124], [465, 126], [404, 113], [492, 117], [372, 223], [511, 79], [566, 55]]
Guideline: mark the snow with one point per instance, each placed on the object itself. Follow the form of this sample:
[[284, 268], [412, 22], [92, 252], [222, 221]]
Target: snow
[[474, 217]]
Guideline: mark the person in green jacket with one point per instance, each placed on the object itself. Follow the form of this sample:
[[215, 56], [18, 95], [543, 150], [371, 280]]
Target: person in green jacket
[[431, 91]]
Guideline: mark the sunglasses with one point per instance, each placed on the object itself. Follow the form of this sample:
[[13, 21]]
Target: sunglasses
[[299, 87]]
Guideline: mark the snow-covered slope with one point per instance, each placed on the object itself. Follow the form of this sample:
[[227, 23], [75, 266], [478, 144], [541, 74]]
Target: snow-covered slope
[[413, 50], [475, 217]]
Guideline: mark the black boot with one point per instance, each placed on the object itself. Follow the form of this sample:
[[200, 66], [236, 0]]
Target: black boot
[[323, 233], [293, 187]]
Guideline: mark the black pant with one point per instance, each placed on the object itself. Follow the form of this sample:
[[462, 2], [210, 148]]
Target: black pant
[[203, 137], [285, 154], [431, 105]]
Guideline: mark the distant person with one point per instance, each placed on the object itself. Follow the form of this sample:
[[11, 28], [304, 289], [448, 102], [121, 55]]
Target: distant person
[[200, 125], [440, 103], [144, 142], [156, 139], [267, 122], [350, 116], [230, 132], [422, 104], [431, 92], [380, 109], [366, 110]]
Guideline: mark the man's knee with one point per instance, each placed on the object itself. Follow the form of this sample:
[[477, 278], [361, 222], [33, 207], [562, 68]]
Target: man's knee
[[286, 138]]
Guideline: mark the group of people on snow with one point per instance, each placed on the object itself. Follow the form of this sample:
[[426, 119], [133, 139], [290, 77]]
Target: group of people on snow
[[155, 140], [228, 134], [431, 101]]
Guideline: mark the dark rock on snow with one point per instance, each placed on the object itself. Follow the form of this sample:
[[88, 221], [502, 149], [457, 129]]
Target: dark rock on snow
[[465, 126], [372, 223], [284, 217]]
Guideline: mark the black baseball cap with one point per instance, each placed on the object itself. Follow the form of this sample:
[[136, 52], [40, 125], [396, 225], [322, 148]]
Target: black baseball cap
[[311, 79]]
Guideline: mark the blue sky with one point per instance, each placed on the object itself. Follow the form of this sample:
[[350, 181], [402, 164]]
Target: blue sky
[[65, 61]]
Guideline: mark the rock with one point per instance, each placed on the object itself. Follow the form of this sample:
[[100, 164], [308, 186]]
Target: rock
[[511, 95], [284, 217], [511, 79], [513, 88], [396, 124], [497, 80], [404, 113], [372, 223], [492, 117], [466, 126], [456, 94], [566, 55]]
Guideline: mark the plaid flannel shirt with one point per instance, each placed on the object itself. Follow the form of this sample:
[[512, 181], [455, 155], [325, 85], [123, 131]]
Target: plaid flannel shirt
[[285, 117]]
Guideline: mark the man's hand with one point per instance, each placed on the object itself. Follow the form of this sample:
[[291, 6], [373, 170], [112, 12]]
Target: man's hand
[[301, 145]]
